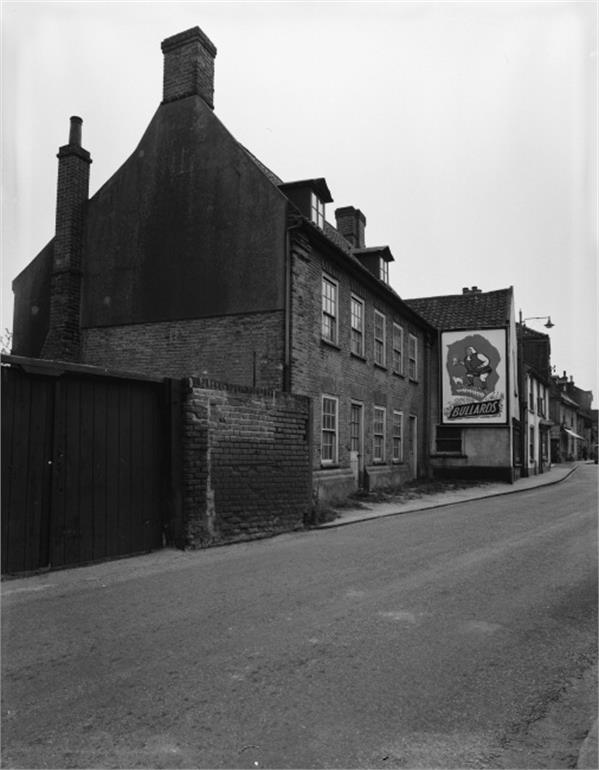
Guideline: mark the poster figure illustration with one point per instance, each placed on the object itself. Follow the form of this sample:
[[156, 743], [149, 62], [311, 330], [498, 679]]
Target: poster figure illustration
[[474, 378], [476, 366]]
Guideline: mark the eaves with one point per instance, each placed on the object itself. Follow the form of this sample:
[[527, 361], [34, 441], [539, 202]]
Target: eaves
[[346, 261]]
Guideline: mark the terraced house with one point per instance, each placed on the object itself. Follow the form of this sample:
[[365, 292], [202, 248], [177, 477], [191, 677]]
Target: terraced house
[[195, 259]]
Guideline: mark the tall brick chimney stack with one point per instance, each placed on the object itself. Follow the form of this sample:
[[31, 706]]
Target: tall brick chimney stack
[[188, 66], [63, 340], [351, 223]]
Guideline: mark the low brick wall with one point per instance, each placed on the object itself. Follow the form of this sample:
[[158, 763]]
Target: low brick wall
[[246, 463]]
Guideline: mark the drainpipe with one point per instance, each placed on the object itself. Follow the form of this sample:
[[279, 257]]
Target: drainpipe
[[427, 402], [288, 315], [522, 401]]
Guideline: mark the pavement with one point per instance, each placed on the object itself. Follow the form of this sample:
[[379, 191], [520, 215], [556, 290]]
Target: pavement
[[587, 756], [374, 510]]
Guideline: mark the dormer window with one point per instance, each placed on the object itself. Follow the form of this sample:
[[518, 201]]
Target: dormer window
[[317, 210], [309, 197], [376, 260]]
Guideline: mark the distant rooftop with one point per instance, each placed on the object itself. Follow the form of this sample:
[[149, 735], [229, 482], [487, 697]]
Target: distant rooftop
[[470, 309]]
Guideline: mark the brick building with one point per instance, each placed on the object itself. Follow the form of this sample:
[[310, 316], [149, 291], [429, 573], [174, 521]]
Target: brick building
[[194, 259], [475, 419]]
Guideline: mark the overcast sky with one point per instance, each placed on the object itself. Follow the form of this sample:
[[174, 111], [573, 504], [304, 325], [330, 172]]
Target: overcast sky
[[465, 132]]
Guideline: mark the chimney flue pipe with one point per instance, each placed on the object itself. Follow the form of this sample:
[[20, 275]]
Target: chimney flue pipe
[[75, 131]]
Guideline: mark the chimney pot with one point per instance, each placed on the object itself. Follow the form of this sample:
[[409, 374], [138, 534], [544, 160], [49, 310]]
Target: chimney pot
[[75, 131]]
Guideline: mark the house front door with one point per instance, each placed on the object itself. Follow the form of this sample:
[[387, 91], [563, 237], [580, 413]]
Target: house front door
[[356, 454]]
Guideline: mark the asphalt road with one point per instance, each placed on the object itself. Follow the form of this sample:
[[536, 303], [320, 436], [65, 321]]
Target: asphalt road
[[431, 639]]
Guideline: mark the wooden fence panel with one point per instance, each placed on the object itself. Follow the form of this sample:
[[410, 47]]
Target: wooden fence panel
[[84, 468], [27, 417]]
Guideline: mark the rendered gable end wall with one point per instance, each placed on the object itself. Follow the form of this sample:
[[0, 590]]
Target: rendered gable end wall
[[185, 255]]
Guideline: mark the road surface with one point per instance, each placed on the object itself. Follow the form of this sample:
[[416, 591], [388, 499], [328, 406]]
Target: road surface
[[457, 637]]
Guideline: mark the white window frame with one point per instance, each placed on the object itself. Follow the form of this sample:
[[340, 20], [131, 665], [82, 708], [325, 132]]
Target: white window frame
[[397, 348], [357, 331], [317, 210], [379, 420], [397, 436], [330, 309], [413, 359], [330, 429], [380, 342], [383, 270]]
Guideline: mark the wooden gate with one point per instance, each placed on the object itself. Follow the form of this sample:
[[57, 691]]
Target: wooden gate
[[83, 466]]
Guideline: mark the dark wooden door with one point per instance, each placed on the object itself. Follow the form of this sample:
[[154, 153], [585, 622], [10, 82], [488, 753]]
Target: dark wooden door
[[84, 457], [27, 426]]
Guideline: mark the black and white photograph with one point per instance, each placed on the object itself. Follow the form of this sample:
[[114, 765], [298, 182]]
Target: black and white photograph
[[299, 382]]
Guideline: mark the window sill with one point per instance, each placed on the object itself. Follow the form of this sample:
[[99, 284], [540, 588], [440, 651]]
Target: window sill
[[329, 344], [414, 381], [357, 356], [329, 466], [449, 454], [398, 374], [380, 366]]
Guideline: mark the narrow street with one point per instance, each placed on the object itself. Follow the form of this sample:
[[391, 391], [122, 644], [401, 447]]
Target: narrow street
[[463, 636]]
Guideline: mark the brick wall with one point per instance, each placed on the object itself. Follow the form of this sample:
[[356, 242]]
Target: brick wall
[[245, 349], [319, 368], [188, 66], [246, 463]]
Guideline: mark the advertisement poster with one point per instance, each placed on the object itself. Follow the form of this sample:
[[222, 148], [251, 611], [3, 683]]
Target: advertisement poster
[[474, 377]]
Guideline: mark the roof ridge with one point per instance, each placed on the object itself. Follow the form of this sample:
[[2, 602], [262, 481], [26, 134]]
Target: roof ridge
[[461, 295]]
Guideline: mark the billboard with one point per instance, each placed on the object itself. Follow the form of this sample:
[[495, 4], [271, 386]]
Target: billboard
[[474, 386]]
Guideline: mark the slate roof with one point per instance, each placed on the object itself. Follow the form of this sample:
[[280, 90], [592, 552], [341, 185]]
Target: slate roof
[[489, 309], [264, 169]]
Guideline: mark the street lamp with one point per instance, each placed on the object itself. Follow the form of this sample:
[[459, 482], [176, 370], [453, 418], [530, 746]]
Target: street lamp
[[548, 325]]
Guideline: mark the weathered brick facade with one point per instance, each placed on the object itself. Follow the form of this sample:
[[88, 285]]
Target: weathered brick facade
[[321, 368], [246, 463], [244, 349]]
